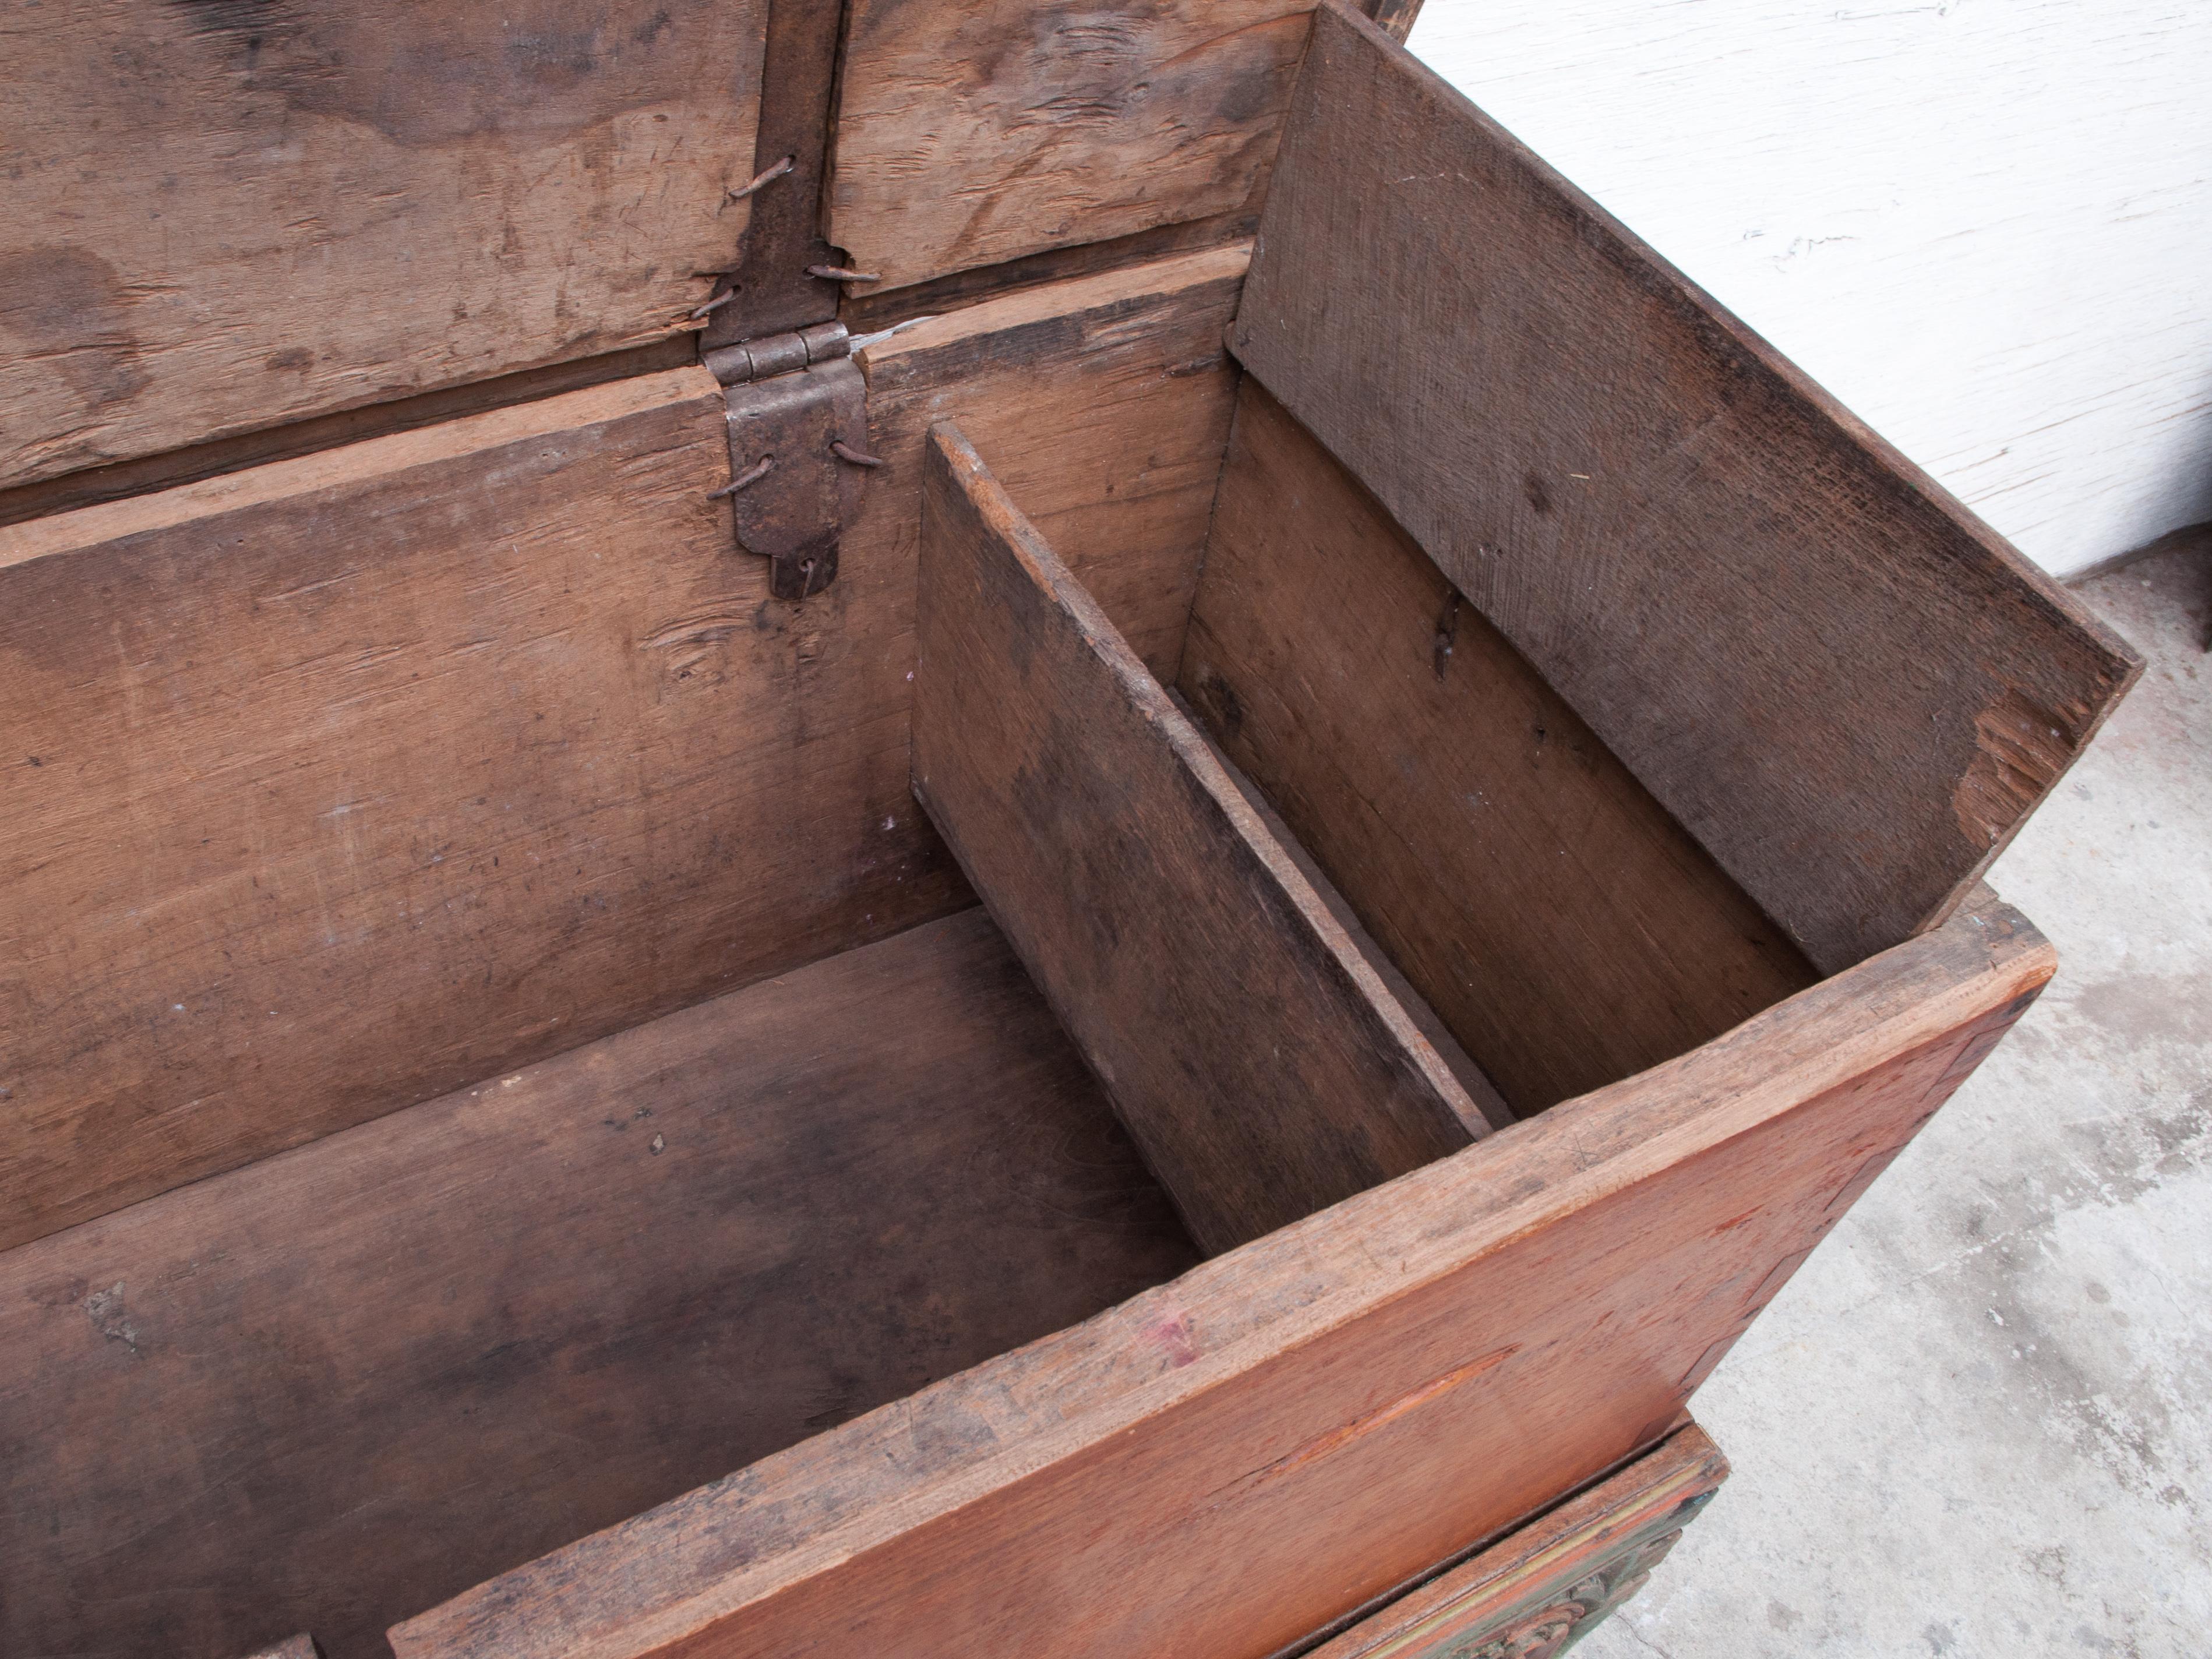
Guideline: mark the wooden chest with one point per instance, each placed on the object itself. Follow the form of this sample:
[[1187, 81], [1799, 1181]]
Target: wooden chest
[[956, 828]]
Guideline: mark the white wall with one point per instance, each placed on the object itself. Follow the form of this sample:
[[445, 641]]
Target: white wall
[[1985, 225]]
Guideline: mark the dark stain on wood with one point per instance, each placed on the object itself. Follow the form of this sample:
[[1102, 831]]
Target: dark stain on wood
[[68, 307], [540, 69]]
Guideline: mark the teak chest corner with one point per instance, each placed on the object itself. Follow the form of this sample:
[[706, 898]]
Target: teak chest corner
[[937, 828]]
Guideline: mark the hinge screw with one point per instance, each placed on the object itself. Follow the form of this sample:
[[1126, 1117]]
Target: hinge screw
[[751, 474], [766, 176], [840, 274], [844, 452]]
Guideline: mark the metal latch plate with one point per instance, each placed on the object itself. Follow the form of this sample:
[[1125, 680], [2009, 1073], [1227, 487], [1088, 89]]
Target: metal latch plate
[[794, 513]]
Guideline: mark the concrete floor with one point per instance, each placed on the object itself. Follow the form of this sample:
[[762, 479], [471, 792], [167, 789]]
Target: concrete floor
[[1979, 1423]]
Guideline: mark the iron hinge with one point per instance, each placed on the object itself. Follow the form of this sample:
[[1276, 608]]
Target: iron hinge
[[797, 415]]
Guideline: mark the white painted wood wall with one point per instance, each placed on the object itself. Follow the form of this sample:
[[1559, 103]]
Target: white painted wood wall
[[1985, 225]]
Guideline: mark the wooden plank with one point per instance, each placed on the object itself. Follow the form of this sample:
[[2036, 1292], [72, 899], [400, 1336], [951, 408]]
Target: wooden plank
[[1564, 928], [968, 134], [331, 1389], [869, 305], [1260, 1063], [1844, 685], [1556, 1579], [1103, 405], [1229, 1462], [347, 780], [249, 215], [148, 473], [1456, 1059]]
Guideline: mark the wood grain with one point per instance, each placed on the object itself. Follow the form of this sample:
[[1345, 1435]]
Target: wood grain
[[968, 134], [1222, 1465], [1260, 1062], [1103, 404], [1457, 1060], [1842, 683], [347, 780], [224, 217], [147, 473], [1526, 1596], [1564, 928], [361, 777], [331, 1389], [870, 307]]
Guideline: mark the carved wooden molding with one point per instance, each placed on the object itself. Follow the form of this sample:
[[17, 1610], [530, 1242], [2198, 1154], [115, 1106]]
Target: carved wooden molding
[[1538, 1591]]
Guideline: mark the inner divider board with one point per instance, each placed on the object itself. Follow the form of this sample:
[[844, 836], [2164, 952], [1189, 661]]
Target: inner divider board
[[1849, 689], [1260, 1062], [1455, 1057], [328, 1390], [360, 776], [222, 218], [1562, 926], [1380, 1386]]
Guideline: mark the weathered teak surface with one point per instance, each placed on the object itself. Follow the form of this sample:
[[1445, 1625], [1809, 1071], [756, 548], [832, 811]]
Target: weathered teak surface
[[1562, 646], [1845, 686], [1373, 1387], [1549, 1584], [361, 776], [970, 135], [1260, 1063], [1564, 928], [222, 217], [331, 1389]]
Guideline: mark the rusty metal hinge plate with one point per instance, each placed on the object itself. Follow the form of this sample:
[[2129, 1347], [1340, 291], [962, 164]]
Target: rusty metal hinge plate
[[797, 415]]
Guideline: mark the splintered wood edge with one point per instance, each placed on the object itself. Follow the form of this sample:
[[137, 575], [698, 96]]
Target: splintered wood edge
[[347, 463], [1431, 1223], [950, 450]]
